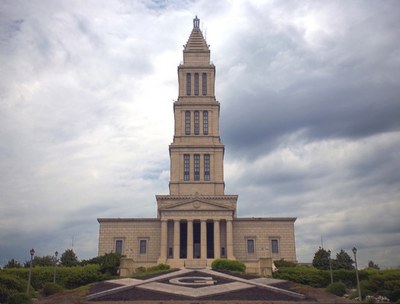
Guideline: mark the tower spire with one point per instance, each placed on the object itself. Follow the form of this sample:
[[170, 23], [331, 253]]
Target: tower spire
[[196, 23]]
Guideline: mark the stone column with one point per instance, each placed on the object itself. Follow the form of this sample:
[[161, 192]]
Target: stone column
[[164, 240], [229, 239], [203, 242], [177, 239], [190, 239], [217, 241]]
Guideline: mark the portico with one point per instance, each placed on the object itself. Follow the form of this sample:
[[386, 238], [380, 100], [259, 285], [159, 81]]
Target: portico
[[196, 229]]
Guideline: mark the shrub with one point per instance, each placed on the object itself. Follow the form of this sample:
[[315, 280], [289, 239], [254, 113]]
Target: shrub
[[109, 263], [282, 263], [140, 269], [337, 288], [391, 289], [19, 298], [354, 293], [159, 267], [231, 265], [51, 288], [12, 282], [5, 293], [304, 275], [73, 277], [9, 285]]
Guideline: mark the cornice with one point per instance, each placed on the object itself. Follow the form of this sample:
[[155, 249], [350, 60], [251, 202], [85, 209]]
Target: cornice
[[198, 197], [266, 219], [129, 219]]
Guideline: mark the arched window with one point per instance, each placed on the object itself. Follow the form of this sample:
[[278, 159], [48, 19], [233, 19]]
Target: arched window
[[188, 84], [196, 84], [205, 122], [196, 123], [204, 83], [187, 122]]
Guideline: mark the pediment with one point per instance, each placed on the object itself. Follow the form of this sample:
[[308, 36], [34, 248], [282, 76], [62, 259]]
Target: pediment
[[197, 204]]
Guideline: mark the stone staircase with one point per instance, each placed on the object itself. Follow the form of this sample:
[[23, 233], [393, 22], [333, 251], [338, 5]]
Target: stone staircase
[[195, 264]]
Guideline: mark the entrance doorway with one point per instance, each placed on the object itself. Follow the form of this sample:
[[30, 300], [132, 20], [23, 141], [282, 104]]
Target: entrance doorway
[[183, 240], [196, 240], [210, 240]]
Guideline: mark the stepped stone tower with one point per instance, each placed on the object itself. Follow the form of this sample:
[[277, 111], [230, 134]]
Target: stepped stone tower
[[196, 203], [197, 222]]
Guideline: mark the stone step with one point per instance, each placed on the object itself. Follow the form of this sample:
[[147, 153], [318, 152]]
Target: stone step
[[196, 264]]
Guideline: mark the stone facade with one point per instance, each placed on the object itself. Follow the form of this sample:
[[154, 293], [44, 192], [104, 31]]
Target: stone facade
[[197, 222]]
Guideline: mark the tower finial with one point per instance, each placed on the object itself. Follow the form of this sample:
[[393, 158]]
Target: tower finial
[[196, 23]]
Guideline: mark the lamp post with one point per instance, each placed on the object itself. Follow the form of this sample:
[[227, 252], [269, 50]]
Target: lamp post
[[55, 266], [32, 252], [358, 280], [330, 266]]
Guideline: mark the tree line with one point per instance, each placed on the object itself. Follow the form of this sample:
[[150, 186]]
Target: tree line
[[322, 260], [67, 259]]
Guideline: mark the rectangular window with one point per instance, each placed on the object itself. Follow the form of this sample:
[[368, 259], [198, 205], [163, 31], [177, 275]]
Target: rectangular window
[[196, 84], [187, 122], [274, 246], [205, 122], [204, 83], [250, 246], [206, 167], [142, 246], [196, 123], [118, 246], [188, 84], [186, 167], [197, 167]]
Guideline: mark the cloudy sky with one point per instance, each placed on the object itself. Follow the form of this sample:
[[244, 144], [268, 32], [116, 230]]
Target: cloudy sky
[[310, 116]]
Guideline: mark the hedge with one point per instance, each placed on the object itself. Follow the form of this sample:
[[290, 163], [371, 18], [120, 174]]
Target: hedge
[[337, 288], [10, 285], [68, 277], [231, 265], [51, 288], [19, 298], [373, 282]]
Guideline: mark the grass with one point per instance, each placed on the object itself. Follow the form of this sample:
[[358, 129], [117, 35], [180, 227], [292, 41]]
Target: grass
[[143, 274]]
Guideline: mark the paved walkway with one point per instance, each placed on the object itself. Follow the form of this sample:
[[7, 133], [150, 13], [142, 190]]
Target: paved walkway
[[182, 284]]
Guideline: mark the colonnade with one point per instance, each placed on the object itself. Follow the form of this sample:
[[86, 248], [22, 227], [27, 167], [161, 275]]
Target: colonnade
[[176, 244]]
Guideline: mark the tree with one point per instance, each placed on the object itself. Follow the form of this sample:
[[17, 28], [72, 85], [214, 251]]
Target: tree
[[372, 265], [343, 261], [321, 259], [69, 258], [109, 263], [13, 264], [43, 261]]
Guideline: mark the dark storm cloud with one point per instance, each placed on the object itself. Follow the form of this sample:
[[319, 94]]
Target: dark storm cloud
[[332, 83]]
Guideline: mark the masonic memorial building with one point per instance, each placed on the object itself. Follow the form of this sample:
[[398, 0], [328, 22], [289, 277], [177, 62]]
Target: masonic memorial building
[[197, 222]]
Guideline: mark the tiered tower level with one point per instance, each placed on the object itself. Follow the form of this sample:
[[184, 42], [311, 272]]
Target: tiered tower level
[[197, 152]]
